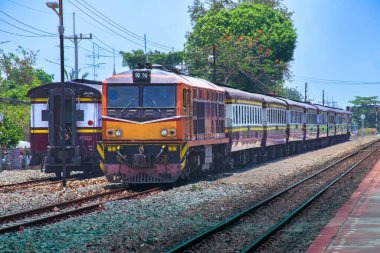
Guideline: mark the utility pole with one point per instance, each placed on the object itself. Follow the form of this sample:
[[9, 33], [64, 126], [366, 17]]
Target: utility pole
[[214, 63], [74, 39], [376, 109], [323, 97], [114, 70], [93, 58], [305, 92], [146, 53], [173, 57]]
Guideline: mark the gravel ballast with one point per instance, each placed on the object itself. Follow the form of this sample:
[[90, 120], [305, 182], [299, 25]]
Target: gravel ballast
[[159, 222]]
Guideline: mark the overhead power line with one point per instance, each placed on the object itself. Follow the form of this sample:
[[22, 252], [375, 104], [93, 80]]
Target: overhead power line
[[113, 26], [13, 101], [315, 80], [40, 35], [26, 24], [124, 29], [25, 35]]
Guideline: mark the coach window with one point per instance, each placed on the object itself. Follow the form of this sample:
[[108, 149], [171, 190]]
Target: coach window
[[270, 116], [237, 115], [257, 115], [245, 115], [233, 115], [240, 115], [250, 115]]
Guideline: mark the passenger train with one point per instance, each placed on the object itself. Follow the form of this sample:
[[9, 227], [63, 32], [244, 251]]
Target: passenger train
[[82, 121], [159, 126]]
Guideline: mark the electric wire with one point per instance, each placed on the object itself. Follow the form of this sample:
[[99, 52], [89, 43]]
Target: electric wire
[[25, 24], [110, 21], [24, 35], [40, 35], [315, 80], [27, 7], [119, 27], [128, 39]]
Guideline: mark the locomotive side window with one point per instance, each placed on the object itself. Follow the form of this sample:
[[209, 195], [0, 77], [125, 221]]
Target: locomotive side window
[[184, 98]]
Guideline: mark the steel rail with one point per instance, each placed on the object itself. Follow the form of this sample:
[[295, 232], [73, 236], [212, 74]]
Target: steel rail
[[56, 205], [37, 182], [25, 183], [275, 228], [41, 220], [204, 234]]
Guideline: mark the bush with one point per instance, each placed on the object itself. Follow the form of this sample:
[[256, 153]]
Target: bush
[[367, 131]]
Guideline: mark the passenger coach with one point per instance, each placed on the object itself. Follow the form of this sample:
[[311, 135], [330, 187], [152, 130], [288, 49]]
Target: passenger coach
[[82, 121]]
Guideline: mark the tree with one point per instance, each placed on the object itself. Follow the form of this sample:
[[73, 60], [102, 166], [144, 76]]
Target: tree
[[10, 134], [253, 45], [71, 75], [138, 56], [18, 76], [18, 68], [366, 106], [291, 93], [200, 8]]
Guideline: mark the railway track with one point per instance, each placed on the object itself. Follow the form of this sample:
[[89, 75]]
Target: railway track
[[249, 229], [27, 184], [50, 213]]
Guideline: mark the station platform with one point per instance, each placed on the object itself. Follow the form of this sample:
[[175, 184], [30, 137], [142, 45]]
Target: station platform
[[356, 226]]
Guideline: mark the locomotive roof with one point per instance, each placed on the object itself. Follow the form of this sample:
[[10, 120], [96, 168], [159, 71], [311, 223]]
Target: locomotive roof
[[81, 85], [159, 76], [243, 95]]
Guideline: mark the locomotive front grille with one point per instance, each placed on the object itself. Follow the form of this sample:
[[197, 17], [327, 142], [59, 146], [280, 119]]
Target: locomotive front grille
[[147, 178]]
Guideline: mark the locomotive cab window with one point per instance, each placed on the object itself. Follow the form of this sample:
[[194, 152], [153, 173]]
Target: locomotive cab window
[[159, 96], [122, 96]]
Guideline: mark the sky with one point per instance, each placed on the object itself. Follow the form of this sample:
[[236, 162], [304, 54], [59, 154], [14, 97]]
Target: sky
[[337, 46]]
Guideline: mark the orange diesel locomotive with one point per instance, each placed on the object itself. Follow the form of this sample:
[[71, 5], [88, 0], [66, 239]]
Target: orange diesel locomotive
[[157, 125]]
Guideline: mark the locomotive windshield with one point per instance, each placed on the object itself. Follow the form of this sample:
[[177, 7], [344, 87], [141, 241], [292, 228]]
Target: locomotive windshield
[[162, 96], [123, 96], [159, 96]]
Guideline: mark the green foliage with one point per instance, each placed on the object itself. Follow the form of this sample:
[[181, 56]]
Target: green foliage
[[16, 68], [69, 76], [138, 56], [200, 8], [366, 106], [19, 77], [291, 93], [43, 76], [253, 43], [10, 134]]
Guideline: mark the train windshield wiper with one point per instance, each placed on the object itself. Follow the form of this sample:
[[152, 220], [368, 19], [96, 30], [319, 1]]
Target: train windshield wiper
[[154, 103], [129, 103]]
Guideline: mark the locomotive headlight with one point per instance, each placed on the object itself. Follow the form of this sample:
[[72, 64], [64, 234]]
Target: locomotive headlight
[[109, 132], [164, 132], [172, 132], [117, 132]]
